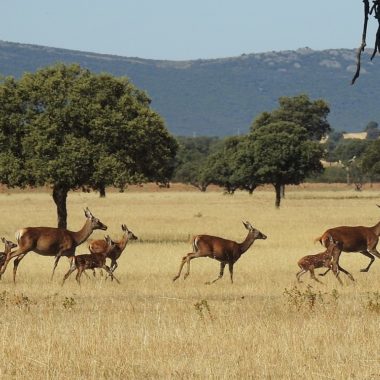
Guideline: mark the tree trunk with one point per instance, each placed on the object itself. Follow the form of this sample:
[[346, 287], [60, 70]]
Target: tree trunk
[[278, 187], [60, 196], [102, 191], [283, 191]]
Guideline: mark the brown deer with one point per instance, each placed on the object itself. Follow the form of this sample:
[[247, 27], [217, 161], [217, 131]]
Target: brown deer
[[354, 239], [91, 261], [50, 241], [100, 246], [324, 259], [8, 245], [222, 250]]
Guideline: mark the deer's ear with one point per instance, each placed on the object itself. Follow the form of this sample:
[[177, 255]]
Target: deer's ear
[[124, 227], [87, 212], [3, 240]]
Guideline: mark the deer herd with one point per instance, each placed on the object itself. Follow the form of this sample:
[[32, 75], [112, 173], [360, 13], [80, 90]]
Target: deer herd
[[58, 242]]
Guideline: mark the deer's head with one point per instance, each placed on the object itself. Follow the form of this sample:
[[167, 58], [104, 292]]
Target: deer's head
[[8, 244], [130, 235], [256, 233], [96, 224]]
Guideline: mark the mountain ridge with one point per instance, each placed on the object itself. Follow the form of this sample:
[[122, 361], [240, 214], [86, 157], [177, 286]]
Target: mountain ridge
[[221, 96]]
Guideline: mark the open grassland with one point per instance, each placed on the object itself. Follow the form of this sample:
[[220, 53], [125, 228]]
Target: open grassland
[[264, 326]]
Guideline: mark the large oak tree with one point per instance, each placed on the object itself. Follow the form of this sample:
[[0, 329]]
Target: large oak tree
[[66, 127]]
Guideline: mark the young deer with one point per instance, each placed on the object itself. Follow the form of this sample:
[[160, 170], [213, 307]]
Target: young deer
[[8, 245], [222, 250], [100, 246], [321, 260], [91, 261]]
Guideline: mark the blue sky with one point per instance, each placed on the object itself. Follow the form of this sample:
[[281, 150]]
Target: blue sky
[[183, 29]]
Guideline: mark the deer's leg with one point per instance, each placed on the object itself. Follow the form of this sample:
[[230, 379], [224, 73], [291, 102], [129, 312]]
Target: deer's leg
[[324, 273], [346, 272], [9, 257], [57, 258], [189, 257], [231, 269], [16, 262], [79, 274], [222, 266], [312, 275], [370, 254], [108, 270], [300, 273], [66, 276], [180, 267], [114, 265]]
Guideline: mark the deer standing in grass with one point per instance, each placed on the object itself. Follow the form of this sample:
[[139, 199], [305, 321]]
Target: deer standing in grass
[[91, 261], [100, 246], [8, 246], [223, 250], [50, 241], [324, 259], [354, 239]]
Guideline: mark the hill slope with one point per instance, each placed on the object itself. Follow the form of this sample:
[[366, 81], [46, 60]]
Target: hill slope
[[222, 96]]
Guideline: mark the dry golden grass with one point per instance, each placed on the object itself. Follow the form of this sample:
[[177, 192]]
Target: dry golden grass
[[149, 327]]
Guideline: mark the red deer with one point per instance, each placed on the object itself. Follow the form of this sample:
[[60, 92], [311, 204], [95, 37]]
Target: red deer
[[50, 241], [354, 239], [91, 261], [100, 246], [222, 250], [8, 245], [320, 260]]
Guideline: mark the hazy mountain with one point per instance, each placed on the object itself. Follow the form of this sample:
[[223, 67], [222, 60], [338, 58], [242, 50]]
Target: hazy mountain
[[223, 96]]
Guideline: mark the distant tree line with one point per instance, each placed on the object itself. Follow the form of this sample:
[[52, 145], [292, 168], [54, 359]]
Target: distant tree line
[[68, 128], [282, 147]]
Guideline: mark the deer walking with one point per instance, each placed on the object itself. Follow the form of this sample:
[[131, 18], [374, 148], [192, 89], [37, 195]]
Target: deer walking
[[100, 246], [8, 245], [324, 259], [50, 241], [354, 239], [91, 261], [223, 250]]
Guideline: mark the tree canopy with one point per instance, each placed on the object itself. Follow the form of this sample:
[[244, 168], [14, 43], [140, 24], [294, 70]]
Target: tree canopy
[[311, 115], [284, 155], [68, 128]]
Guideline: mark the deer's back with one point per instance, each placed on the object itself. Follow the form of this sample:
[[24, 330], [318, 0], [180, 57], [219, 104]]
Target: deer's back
[[45, 240], [100, 246], [215, 245], [318, 260], [352, 239]]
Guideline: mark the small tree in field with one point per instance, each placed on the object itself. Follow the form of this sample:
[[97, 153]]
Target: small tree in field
[[284, 155], [68, 128]]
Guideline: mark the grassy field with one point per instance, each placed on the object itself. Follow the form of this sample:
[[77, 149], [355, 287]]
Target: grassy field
[[264, 326]]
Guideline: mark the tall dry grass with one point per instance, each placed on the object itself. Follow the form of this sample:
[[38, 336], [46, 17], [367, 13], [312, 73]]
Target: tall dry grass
[[264, 326]]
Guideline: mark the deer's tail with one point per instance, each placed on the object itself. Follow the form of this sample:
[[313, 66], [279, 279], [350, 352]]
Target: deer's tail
[[318, 239]]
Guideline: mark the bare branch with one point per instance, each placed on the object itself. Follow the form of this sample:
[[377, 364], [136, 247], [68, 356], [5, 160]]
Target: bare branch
[[363, 44]]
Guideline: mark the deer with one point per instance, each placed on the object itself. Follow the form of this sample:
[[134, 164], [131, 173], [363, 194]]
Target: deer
[[223, 250], [100, 246], [91, 261], [324, 259], [8, 246], [354, 239], [50, 241]]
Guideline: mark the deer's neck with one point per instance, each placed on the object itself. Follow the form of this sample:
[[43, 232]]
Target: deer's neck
[[123, 242], [244, 246], [376, 229], [83, 234]]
